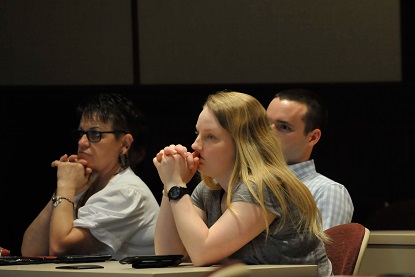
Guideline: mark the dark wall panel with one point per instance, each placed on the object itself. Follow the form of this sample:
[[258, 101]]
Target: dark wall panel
[[61, 42], [199, 42], [269, 41]]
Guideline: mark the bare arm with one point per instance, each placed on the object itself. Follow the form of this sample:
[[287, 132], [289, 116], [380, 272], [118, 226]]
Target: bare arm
[[167, 240], [52, 231], [204, 245], [36, 237], [210, 245], [65, 239]]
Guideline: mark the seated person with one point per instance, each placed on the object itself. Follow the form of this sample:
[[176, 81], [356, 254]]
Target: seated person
[[249, 205], [100, 205], [299, 116]]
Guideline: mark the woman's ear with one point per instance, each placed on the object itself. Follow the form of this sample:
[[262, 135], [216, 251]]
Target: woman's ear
[[126, 142]]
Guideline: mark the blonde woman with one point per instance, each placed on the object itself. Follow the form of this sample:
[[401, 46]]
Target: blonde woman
[[249, 206]]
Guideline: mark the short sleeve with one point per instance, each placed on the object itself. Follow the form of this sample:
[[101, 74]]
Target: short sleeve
[[119, 211]]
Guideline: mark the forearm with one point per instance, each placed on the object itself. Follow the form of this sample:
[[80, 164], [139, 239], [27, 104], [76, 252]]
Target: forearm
[[36, 237], [167, 239], [61, 223], [192, 230]]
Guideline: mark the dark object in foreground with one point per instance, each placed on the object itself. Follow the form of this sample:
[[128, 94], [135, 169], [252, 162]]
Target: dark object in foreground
[[149, 261]]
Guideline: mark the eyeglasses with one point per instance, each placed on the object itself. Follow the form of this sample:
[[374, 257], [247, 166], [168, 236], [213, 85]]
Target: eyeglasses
[[93, 135]]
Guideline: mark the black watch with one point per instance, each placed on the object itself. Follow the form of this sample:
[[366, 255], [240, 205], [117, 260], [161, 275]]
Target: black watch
[[175, 193]]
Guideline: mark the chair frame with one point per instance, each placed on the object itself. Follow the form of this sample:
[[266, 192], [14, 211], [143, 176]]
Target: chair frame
[[362, 251]]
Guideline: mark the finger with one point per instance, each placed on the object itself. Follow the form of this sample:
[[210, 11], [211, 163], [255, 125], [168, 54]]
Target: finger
[[82, 161], [192, 162], [169, 150], [189, 159], [196, 162], [156, 161], [63, 158], [88, 170], [182, 150], [158, 156], [72, 158]]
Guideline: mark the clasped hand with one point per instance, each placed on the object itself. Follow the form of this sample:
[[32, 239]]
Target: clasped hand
[[175, 165], [72, 172]]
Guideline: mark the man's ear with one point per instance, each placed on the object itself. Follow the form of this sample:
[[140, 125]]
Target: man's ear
[[315, 136]]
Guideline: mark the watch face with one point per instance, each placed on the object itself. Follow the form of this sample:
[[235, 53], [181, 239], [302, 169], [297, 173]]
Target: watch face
[[175, 193]]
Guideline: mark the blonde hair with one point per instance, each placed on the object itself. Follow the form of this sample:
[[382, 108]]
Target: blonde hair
[[259, 160]]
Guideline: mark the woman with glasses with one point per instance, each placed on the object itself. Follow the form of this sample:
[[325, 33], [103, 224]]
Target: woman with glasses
[[249, 206], [100, 205]]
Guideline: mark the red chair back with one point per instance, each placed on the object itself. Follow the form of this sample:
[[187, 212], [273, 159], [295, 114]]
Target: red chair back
[[345, 251]]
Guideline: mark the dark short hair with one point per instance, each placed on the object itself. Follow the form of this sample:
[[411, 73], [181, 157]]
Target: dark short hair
[[121, 112], [316, 116]]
